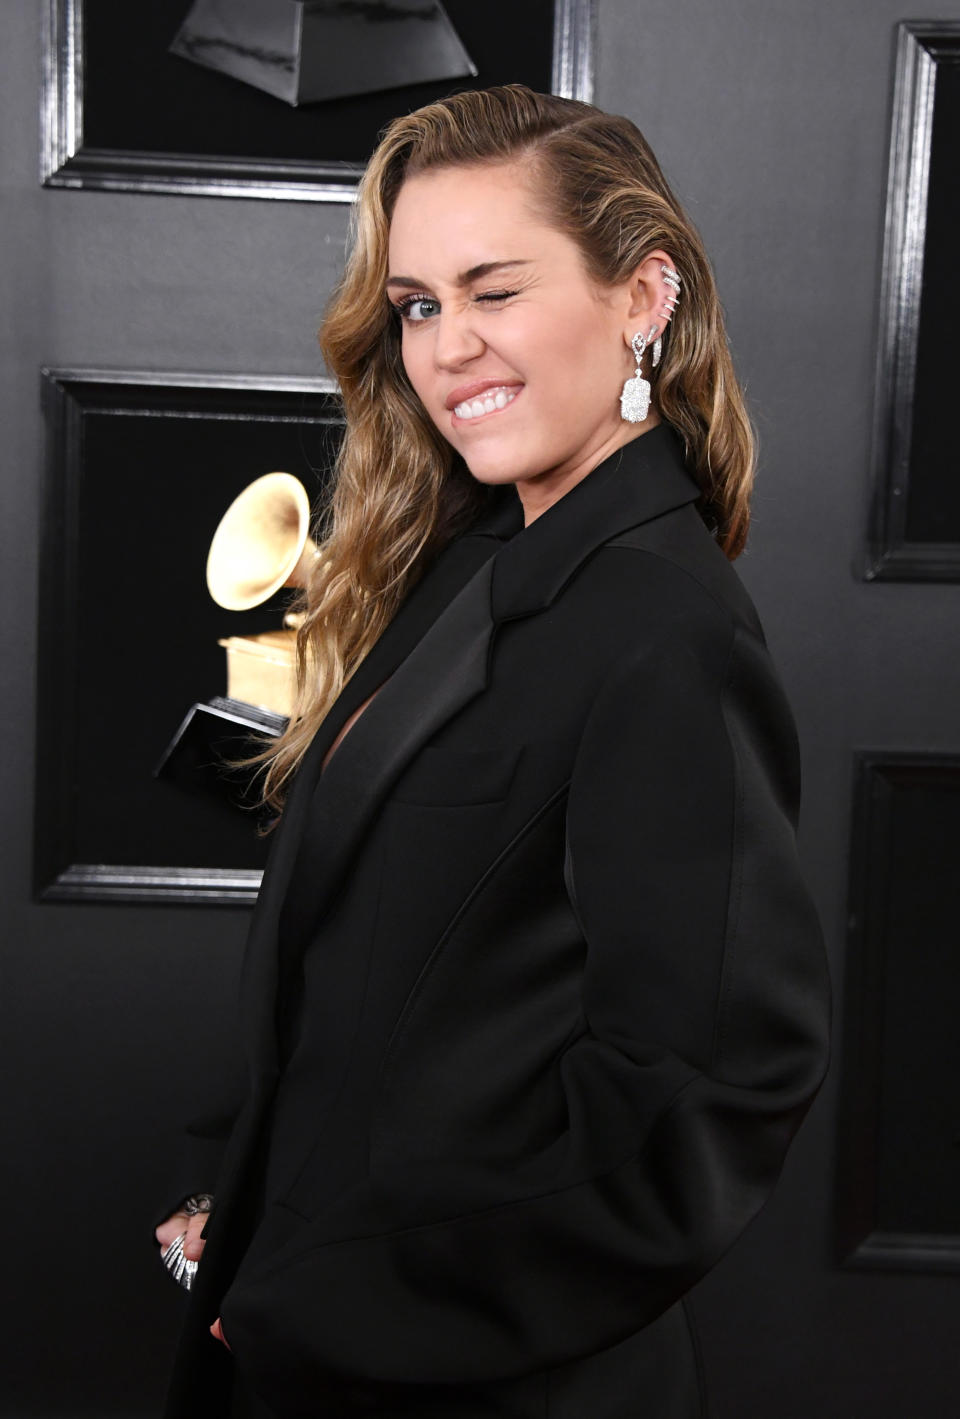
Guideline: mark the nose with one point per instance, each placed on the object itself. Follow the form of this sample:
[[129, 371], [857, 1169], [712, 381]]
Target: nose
[[457, 341]]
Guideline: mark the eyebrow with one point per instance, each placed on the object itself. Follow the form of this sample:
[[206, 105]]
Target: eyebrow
[[465, 278]]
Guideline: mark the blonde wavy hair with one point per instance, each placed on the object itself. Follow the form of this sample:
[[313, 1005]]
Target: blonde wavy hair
[[398, 493]]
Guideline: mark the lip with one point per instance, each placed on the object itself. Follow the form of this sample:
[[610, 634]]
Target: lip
[[477, 387]]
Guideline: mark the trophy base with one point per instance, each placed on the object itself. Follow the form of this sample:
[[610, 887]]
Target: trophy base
[[262, 670], [208, 754]]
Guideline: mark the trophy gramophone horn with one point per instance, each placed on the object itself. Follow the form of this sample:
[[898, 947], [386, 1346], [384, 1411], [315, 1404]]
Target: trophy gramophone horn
[[262, 542]]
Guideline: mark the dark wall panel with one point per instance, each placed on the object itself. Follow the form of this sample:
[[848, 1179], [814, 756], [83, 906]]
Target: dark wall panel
[[933, 512], [140, 468], [899, 1140]]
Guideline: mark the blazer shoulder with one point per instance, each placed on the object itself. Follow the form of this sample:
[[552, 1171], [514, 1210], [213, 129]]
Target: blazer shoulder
[[679, 540]]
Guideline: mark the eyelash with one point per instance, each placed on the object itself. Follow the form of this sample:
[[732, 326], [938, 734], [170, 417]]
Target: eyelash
[[402, 307]]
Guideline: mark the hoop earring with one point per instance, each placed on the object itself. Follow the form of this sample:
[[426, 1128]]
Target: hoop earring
[[635, 395]]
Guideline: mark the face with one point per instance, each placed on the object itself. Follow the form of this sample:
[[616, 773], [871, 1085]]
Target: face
[[514, 352]]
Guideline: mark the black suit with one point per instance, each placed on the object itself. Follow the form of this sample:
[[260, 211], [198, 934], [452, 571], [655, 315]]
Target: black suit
[[537, 974]]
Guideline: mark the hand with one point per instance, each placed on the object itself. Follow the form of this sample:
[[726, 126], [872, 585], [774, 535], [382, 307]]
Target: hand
[[216, 1330], [175, 1226]]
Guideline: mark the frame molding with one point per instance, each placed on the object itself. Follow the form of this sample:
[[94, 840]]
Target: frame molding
[[922, 46], [862, 1242], [67, 162], [69, 395]]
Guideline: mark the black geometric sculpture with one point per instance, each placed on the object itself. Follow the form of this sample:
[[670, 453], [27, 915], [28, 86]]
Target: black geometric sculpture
[[303, 51]]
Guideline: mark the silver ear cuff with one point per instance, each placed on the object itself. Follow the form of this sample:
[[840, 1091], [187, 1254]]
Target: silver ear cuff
[[669, 305], [672, 279]]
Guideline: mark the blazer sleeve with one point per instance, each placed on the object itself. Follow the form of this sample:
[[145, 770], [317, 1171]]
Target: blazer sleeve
[[706, 1015]]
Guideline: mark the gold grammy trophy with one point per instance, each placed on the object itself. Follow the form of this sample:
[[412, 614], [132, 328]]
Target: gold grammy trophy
[[261, 544]]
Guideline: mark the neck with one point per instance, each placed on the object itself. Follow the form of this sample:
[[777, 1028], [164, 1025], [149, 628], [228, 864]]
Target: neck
[[538, 494]]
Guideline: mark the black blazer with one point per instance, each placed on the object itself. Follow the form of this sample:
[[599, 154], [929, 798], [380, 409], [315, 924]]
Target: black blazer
[[535, 998]]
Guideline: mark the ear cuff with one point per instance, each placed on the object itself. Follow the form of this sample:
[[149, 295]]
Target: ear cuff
[[672, 280]]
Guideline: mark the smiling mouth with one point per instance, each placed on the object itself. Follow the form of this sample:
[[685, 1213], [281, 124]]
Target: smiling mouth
[[491, 401]]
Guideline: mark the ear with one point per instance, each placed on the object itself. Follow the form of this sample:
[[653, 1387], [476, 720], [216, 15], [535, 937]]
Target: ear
[[650, 297]]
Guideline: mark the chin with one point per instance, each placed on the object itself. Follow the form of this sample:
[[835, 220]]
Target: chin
[[499, 461], [491, 475]]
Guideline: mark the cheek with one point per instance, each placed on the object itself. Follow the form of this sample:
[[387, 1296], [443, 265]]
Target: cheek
[[590, 348], [591, 369], [414, 364]]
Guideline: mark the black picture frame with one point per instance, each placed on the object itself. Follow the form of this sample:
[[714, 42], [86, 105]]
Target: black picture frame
[[914, 525], [898, 1201], [140, 467], [121, 114]]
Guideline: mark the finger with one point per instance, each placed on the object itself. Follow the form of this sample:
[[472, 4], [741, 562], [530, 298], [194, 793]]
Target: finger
[[193, 1243], [171, 1229], [216, 1330]]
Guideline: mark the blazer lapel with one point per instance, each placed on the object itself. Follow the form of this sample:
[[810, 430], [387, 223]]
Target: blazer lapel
[[310, 827], [445, 670]]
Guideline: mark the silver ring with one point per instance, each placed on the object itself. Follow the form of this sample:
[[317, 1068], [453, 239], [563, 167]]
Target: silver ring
[[199, 1202], [177, 1264]]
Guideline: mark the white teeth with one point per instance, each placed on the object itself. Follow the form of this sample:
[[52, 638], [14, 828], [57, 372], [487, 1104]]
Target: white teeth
[[488, 403]]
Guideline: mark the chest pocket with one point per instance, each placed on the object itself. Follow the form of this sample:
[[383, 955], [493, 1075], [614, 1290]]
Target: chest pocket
[[449, 778]]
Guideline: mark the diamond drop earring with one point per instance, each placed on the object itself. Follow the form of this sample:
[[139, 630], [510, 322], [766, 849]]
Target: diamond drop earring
[[635, 395]]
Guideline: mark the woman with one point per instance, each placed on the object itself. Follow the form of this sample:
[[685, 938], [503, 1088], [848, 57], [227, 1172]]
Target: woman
[[535, 997]]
